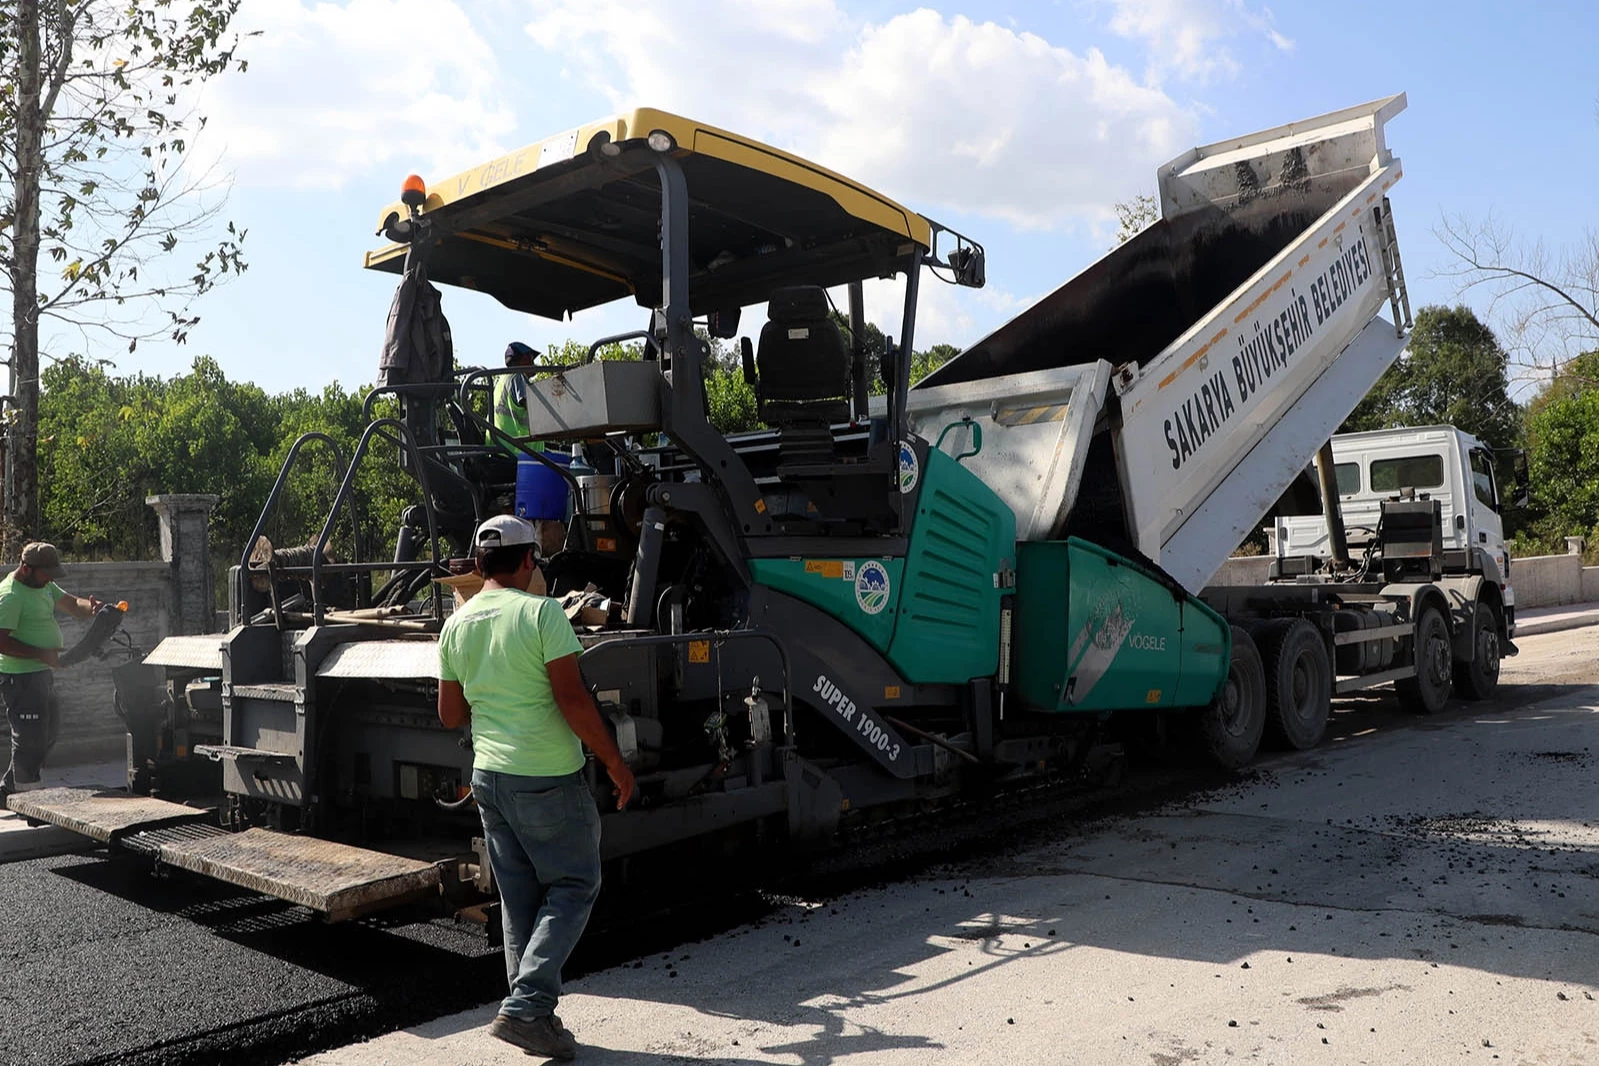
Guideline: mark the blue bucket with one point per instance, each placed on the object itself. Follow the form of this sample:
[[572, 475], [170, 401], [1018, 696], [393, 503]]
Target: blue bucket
[[541, 493]]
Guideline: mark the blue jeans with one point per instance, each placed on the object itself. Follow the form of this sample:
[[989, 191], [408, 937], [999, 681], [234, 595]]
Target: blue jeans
[[543, 836]]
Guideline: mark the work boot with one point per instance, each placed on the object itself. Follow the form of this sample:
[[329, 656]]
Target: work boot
[[541, 1036]]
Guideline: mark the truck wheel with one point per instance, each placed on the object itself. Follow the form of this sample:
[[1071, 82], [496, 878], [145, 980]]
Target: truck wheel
[[1299, 681], [1428, 691], [1479, 679], [1233, 723]]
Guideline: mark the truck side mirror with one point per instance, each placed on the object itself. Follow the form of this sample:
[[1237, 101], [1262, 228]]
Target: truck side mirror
[[1511, 469], [723, 324]]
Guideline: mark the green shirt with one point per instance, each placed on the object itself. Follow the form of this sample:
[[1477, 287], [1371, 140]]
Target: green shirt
[[497, 646], [30, 615]]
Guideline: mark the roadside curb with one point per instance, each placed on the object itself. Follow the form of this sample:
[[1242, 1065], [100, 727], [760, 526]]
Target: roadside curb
[[1560, 623], [20, 841]]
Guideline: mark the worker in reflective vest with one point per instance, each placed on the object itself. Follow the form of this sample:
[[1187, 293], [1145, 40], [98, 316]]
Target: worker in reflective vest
[[510, 398]]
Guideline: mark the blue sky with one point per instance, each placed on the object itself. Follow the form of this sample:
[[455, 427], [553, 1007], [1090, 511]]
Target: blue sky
[[1020, 124]]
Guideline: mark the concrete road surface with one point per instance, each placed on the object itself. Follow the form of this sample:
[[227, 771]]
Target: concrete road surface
[[1408, 893]]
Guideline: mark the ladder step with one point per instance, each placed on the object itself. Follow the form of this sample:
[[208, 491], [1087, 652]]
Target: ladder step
[[235, 753]]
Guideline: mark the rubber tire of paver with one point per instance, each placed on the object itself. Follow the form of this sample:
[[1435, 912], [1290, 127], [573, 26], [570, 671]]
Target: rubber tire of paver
[[1299, 681], [1428, 691], [1235, 720], [1479, 679]]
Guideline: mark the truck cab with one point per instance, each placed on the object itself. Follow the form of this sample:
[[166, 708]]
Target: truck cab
[[1434, 462]]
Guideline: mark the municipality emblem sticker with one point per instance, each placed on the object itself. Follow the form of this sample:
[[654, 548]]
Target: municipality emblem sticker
[[871, 587], [909, 470]]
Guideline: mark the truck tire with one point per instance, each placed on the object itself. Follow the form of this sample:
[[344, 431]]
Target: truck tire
[[1299, 681], [1479, 678], [1428, 691], [1233, 723]]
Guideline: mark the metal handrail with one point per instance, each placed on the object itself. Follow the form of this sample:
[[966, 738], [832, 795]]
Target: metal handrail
[[644, 335], [500, 436], [416, 389], [347, 486], [277, 491]]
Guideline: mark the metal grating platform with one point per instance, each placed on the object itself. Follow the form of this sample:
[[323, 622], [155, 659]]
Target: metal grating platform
[[382, 658], [151, 841], [100, 814], [192, 653], [276, 691], [339, 880]]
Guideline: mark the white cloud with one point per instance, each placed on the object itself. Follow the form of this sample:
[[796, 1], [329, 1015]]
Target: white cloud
[[335, 91], [1187, 37], [974, 116], [942, 113]]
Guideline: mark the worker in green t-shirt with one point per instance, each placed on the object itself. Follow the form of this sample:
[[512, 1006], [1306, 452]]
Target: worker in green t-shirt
[[30, 646], [508, 668], [510, 398]]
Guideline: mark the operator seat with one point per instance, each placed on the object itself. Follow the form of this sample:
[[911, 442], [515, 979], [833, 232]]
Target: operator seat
[[802, 385], [803, 374]]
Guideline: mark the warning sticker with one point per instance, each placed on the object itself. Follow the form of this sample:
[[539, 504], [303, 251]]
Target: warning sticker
[[830, 568], [699, 651]]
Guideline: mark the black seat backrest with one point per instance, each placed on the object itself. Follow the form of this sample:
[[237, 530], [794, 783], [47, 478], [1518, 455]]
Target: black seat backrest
[[802, 364]]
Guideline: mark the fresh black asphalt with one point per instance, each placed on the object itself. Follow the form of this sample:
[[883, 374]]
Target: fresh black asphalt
[[101, 962]]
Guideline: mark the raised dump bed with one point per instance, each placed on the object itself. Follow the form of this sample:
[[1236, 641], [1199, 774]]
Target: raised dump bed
[[1165, 398]]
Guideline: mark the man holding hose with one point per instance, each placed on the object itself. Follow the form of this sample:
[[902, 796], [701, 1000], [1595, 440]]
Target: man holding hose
[[30, 649]]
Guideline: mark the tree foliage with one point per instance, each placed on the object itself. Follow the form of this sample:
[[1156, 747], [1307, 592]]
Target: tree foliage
[[108, 441], [1133, 216], [97, 185], [1546, 299], [1453, 373]]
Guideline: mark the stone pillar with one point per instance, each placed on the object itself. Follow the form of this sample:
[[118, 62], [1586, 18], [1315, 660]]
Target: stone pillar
[[186, 546], [1574, 545]]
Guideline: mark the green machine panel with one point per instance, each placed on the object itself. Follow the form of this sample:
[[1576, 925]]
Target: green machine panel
[[1096, 632], [864, 594], [963, 535], [935, 613]]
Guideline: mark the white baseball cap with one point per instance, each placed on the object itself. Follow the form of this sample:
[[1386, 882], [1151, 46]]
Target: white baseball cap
[[504, 531]]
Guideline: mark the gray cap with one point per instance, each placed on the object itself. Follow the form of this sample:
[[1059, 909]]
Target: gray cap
[[43, 557]]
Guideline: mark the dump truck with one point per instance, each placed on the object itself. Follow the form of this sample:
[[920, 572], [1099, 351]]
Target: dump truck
[[885, 600]]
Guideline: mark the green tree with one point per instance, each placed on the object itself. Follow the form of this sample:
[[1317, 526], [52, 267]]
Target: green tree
[[95, 133], [1133, 216], [1453, 373], [1563, 463], [925, 362]]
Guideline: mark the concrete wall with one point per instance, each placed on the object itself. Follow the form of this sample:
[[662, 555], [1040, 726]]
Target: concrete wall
[[1540, 580], [90, 729], [165, 597]]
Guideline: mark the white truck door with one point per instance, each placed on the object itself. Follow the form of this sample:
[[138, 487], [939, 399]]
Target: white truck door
[[1486, 528]]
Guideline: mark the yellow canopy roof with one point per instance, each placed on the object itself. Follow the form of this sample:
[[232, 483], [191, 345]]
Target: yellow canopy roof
[[572, 221]]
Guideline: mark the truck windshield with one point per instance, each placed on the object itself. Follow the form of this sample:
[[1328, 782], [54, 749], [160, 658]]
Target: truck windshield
[[1410, 472], [1348, 478]]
